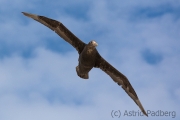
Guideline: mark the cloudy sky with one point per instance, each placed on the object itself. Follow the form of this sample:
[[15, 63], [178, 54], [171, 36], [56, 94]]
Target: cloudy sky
[[38, 81]]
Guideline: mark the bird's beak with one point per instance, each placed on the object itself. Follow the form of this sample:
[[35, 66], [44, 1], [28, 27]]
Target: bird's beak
[[95, 43]]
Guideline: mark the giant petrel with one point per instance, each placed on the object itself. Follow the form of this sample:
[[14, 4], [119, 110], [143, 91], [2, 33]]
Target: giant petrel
[[88, 56]]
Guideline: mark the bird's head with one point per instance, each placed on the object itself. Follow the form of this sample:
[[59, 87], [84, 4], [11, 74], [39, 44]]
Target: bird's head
[[93, 43]]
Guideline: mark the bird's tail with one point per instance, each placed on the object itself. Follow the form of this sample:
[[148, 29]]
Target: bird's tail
[[82, 75]]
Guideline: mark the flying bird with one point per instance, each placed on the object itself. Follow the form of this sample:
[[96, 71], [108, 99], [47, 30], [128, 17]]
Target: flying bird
[[89, 57]]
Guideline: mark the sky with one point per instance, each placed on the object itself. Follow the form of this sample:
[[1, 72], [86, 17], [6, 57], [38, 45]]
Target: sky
[[140, 38]]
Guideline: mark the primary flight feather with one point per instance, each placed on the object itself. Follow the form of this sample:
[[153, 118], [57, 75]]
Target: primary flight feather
[[88, 56]]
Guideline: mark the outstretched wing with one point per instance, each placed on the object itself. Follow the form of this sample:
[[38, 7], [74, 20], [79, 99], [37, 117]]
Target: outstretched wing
[[119, 78], [60, 29]]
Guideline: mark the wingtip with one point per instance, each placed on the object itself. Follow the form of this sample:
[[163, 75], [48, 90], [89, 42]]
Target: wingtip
[[30, 15], [145, 113], [141, 107], [26, 14]]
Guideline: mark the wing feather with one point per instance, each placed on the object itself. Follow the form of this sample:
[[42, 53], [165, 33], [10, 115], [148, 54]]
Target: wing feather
[[119, 78], [60, 29]]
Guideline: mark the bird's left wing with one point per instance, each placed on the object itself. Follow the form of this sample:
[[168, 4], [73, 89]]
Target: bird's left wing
[[60, 29], [119, 78]]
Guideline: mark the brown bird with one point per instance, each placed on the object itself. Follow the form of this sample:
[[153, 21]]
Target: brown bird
[[88, 56]]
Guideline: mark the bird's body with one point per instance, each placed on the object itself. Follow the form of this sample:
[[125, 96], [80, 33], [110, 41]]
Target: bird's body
[[86, 60], [88, 57]]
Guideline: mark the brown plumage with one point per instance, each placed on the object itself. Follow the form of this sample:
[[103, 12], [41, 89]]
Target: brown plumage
[[88, 56]]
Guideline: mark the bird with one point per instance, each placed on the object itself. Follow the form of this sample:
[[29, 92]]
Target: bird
[[89, 57]]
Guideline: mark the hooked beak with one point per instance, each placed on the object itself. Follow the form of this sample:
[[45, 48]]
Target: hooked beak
[[94, 43]]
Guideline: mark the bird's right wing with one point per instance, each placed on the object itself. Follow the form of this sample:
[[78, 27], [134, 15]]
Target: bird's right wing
[[60, 29], [119, 78]]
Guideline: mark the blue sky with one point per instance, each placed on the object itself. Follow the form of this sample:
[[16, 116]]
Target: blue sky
[[37, 68]]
